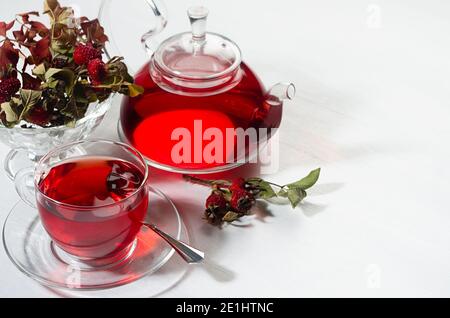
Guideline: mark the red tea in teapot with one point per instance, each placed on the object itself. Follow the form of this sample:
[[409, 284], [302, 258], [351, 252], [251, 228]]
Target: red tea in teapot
[[89, 216], [150, 122], [203, 109]]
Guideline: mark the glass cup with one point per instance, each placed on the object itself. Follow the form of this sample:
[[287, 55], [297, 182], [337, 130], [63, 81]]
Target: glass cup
[[103, 232]]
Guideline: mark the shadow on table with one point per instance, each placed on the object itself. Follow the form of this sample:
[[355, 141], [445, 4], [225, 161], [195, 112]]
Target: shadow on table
[[135, 289]]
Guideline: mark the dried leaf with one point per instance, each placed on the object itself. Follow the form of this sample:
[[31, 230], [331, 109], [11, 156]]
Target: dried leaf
[[73, 111], [41, 52], [65, 16], [30, 82], [231, 217], [52, 72], [66, 75], [29, 99], [135, 90], [11, 115], [26, 16], [39, 28], [64, 39], [5, 27], [52, 84], [19, 36], [58, 14], [9, 56], [30, 36], [94, 32], [50, 5], [39, 70]]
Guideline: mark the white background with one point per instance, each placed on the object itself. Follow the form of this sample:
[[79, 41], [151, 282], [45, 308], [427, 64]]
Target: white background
[[372, 110]]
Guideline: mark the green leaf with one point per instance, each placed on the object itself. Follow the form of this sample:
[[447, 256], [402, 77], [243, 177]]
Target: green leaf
[[29, 99], [266, 190], [113, 82], [254, 181], [39, 70], [306, 182], [52, 84], [117, 68], [135, 90], [295, 196], [51, 72], [66, 75], [230, 217], [74, 111], [11, 116], [282, 193]]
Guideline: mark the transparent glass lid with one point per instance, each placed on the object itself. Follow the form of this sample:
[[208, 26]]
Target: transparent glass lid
[[198, 54], [197, 63]]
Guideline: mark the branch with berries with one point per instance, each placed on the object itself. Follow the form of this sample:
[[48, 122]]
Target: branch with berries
[[230, 201], [50, 75]]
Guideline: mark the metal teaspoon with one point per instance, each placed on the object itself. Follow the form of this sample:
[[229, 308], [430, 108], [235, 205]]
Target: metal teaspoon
[[188, 253]]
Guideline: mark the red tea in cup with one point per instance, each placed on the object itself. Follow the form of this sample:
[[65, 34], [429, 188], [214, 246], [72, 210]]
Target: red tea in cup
[[93, 206]]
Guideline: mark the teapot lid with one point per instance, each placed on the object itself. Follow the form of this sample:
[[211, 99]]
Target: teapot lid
[[198, 62]]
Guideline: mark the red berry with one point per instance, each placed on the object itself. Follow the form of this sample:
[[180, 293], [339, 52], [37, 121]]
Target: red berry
[[238, 184], [8, 87], [85, 53], [241, 201], [216, 201], [96, 70]]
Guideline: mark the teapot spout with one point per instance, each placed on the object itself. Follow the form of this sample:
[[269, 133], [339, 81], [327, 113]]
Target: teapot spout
[[280, 92]]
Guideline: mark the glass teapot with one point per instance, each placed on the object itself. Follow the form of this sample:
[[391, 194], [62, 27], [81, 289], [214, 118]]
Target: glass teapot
[[203, 110]]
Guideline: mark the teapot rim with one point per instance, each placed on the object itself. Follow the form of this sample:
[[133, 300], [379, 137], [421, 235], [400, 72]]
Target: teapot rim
[[158, 60]]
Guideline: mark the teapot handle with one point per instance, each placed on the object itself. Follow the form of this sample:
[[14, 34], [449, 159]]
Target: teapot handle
[[159, 11]]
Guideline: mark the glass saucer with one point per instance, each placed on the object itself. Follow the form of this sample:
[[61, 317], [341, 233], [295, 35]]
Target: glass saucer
[[30, 248]]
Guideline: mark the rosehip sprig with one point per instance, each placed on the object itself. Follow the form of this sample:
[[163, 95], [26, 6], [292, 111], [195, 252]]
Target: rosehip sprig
[[230, 201]]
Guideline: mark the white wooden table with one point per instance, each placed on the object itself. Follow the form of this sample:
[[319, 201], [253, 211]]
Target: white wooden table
[[372, 110]]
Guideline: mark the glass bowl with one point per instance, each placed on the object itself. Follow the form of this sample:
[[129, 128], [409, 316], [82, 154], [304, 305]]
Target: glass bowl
[[32, 143]]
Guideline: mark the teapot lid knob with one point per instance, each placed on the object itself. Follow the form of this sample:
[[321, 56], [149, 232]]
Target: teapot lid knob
[[198, 16]]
